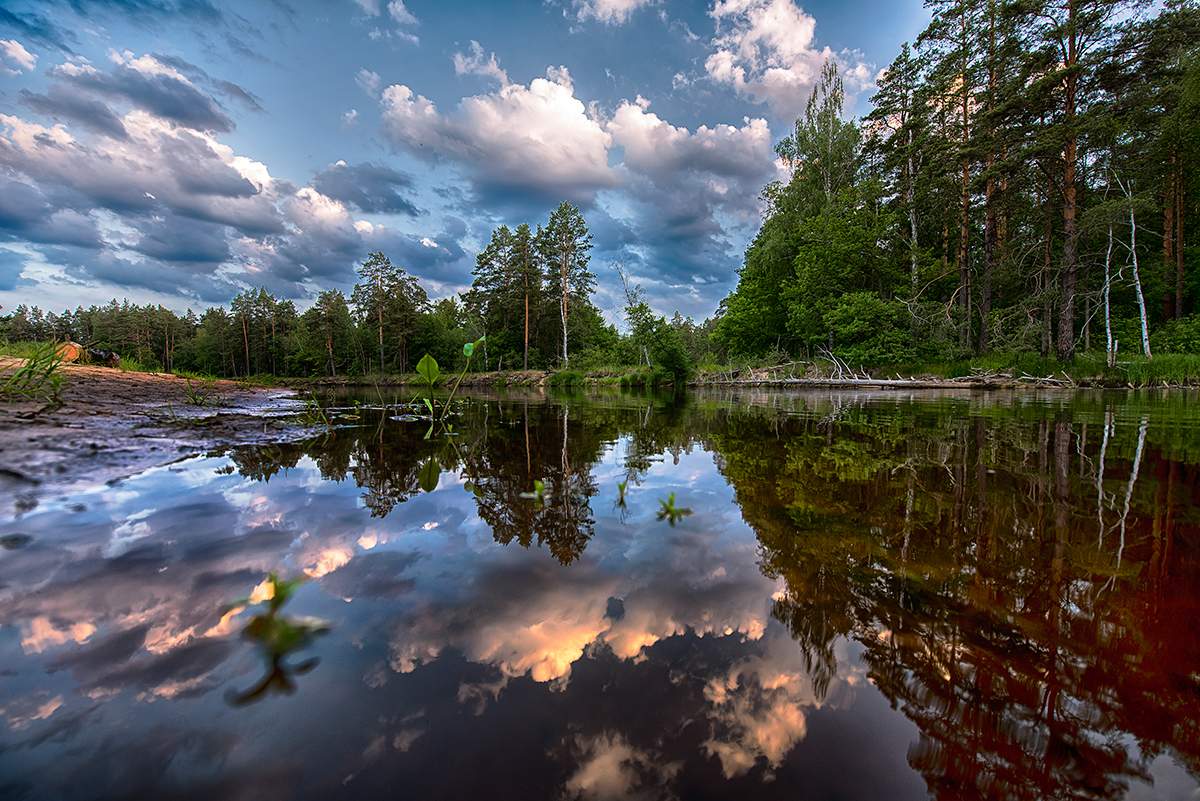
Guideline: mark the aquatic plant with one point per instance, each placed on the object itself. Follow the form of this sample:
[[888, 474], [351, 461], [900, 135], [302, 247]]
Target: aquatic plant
[[670, 512], [314, 413], [621, 487], [430, 372], [277, 636]]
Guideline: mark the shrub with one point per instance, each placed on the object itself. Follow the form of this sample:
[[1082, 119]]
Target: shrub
[[1177, 336], [868, 330]]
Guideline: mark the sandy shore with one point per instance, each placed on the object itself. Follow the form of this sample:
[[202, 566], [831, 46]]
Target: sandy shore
[[112, 424]]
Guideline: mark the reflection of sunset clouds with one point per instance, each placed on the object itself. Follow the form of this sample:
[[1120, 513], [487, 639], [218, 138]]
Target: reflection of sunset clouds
[[758, 707], [610, 768], [41, 634], [326, 561], [21, 712]]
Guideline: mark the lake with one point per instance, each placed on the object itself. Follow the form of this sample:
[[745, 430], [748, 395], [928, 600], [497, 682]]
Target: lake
[[850, 595]]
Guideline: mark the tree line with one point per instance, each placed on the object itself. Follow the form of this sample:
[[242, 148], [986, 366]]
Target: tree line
[[1025, 182], [531, 298]]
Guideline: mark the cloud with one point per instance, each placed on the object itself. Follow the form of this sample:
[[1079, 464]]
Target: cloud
[[14, 58], [64, 103], [610, 768], [693, 195], [350, 118], [367, 187], [765, 50], [759, 708], [610, 12], [149, 84], [220, 86], [12, 264], [473, 63], [27, 214], [537, 139], [400, 13], [368, 81]]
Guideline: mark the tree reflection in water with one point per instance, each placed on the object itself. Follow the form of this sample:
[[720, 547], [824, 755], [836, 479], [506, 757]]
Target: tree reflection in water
[[1024, 579]]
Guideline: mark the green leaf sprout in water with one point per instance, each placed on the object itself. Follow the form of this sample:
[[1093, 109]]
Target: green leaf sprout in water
[[277, 636], [670, 512], [621, 487], [428, 369]]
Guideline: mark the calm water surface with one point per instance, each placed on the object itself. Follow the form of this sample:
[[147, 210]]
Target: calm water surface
[[873, 596]]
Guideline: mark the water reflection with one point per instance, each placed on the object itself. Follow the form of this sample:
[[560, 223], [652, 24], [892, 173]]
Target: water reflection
[[875, 596]]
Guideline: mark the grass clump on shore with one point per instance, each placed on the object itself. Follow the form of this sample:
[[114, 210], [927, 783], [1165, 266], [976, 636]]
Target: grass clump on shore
[[40, 378]]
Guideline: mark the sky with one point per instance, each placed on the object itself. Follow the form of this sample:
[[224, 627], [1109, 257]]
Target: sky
[[179, 151]]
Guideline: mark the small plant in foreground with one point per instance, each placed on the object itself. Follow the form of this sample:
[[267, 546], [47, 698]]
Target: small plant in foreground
[[39, 378], [670, 512], [277, 636], [314, 413], [430, 373], [200, 393]]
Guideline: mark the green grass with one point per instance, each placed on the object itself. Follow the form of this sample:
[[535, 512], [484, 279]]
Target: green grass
[[566, 378], [20, 350], [1086, 368], [40, 378]]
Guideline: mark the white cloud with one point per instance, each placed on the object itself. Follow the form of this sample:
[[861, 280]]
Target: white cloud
[[474, 63], [610, 12], [14, 58], [350, 118], [368, 81], [765, 49], [369, 7], [654, 146], [538, 137], [400, 13]]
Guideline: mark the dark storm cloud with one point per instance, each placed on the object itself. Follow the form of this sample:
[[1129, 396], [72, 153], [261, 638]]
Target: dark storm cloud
[[27, 214], [198, 170], [65, 104], [160, 93], [179, 239], [182, 279], [369, 187], [11, 264]]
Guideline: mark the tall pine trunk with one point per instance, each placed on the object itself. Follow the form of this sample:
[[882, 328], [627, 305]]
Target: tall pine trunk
[[964, 223], [1070, 261]]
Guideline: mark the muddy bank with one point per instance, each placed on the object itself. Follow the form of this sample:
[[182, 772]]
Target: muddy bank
[[111, 424]]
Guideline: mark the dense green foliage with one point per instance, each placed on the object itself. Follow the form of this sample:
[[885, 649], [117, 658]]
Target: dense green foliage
[[991, 199]]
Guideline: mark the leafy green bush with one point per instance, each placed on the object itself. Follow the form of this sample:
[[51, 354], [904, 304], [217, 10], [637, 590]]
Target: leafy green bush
[[1177, 336], [865, 329], [566, 378]]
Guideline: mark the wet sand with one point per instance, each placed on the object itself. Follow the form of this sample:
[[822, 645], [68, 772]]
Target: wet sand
[[113, 423]]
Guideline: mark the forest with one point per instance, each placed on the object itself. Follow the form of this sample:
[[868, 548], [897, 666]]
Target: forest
[[1025, 183]]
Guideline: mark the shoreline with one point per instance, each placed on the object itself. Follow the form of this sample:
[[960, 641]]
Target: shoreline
[[111, 424], [608, 379]]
